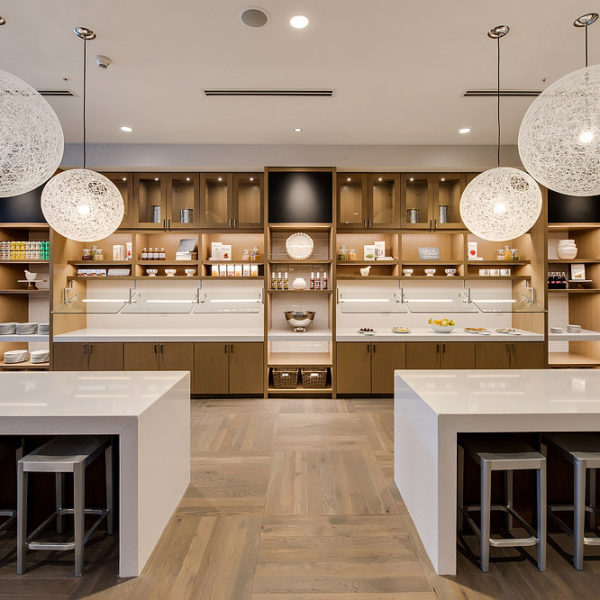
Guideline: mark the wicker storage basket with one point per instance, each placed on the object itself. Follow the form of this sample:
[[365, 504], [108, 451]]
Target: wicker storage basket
[[285, 377], [314, 377]]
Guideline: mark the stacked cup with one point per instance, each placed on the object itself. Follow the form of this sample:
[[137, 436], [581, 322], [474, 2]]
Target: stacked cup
[[566, 250]]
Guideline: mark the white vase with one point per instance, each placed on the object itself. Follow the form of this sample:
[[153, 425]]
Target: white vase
[[299, 283]]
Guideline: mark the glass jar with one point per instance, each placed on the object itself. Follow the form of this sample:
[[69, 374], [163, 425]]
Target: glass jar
[[342, 254], [352, 254]]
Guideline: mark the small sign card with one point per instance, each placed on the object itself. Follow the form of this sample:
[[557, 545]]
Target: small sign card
[[577, 272], [429, 254]]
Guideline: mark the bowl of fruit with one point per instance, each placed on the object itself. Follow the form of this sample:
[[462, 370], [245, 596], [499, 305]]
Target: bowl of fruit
[[442, 325]]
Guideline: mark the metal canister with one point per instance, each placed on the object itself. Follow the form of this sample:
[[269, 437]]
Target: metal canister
[[155, 213], [413, 215], [186, 215], [444, 211]]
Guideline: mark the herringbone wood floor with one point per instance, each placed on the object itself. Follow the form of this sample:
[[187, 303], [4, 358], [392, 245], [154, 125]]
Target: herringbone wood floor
[[289, 500]]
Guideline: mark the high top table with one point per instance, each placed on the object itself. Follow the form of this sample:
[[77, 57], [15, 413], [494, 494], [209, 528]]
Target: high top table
[[150, 413], [432, 407]]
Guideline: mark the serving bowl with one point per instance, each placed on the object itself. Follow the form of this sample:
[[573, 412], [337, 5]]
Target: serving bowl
[[299, 320], [170, 272], [442, 325]]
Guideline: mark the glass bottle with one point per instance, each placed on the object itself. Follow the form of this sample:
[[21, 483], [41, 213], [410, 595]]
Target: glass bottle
[[286, 282], [312, 281]]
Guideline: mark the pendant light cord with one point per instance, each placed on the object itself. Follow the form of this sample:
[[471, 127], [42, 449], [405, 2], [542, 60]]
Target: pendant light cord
[[84, 99], [586, 43], [498, 102]]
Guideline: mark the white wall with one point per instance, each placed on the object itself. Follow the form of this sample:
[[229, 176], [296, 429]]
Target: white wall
[[182, 157]]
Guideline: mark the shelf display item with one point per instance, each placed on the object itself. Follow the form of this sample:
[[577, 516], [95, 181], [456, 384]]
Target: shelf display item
[[39, 356], [314, 377], [246, 270], [24, 250], [31, 278], [299, 246], [472, 251], [151, 272], [352, 255], [430, 272], [26, 328], [413, 215], [44, 328], [505, 272], [12, 357], [429, 253], [170, 272], [8, 328], [398, 329], [230, 270], [408, 272], [222, 270], [342, 255], [299, 283], [450, 272], [118, 252], [442, 325], [566, 249], [369, 252], [573, 328], [299, 320], [578, 272], [187, 250], [379, 250], [190, 272], [285, 377], [484, 272], [219, 251], [253, 270], [115, 272], [364, 271], [443, 212], [494, 272], [91, 272]]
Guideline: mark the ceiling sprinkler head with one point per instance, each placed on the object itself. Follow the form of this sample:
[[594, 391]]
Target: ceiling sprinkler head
[[102, 61]]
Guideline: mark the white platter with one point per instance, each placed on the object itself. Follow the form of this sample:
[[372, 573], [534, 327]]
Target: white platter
[[299, 246]]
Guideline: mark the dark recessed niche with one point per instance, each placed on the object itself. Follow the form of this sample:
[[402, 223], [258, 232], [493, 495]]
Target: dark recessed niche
[[300, 197], [25, 208], [573, 209]]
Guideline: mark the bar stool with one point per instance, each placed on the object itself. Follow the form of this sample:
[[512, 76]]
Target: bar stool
[[582, 450], [6, 449], [64, 454], [508, 454]]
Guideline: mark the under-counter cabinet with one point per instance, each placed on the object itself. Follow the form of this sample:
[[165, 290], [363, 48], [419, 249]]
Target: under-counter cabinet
[[368, 368], [368, 201], [228, 368], [75, 356], [501, 355], [231, 201], [165, 356], [440, 355]]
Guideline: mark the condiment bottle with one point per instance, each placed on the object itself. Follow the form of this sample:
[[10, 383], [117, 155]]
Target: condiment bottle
[[318, 281], [273, 281], [163, 254], [285, 281], [279, 281], [324, 280], [312, 281]]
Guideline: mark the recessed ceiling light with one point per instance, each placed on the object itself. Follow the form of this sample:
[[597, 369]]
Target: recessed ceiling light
[[411, 179], [188, 178], [443, 179], [349, 179], [156, 179], [298, 129], [124, 178], [464, 130], [299, 22], [126, 129], [251, 178], [254, 17], [380, 179], [220, 179]]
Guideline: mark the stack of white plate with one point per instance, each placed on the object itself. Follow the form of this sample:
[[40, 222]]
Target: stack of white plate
[[27, 328], [44, 328], [40, 356], [15, 356], [7, 328]]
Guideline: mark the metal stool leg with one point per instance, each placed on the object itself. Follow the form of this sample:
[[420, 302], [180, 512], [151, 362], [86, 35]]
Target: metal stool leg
[[109, 489], [541, 516], [486, 500], [79, 516], [592, 522], [460, 480], [579, 517], [60, 485], [22, 477], [508, 482]]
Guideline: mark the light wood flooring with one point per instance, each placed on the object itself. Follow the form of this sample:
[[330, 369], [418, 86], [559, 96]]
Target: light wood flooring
[[289, 500]]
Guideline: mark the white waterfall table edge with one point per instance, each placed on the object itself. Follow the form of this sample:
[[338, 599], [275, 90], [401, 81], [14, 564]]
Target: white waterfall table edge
[[148, 410], [432, 407]]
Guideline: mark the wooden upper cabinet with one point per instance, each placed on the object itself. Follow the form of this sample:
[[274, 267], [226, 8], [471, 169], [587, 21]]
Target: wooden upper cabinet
[[183, 200], [447, 190], [416, 197], [216, 200], [248, 200], [352, 212], [150, 200], [383, 200], [124, 183]]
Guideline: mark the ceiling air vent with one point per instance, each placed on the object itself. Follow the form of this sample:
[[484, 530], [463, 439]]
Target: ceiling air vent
[[503, 93], [56, 92], [261, 92]]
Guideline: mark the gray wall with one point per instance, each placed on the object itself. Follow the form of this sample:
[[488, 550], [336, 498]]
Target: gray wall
[[197, 157]]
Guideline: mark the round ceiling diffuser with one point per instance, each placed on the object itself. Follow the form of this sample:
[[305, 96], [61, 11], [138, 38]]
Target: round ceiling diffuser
[[254, 17]]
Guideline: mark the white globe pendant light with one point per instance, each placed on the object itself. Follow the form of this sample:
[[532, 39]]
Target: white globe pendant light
[[559, 138], [31, 138], [500, 204], [81, 204]]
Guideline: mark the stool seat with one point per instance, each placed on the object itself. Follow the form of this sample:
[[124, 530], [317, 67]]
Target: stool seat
[[62, 453], [499, 452]]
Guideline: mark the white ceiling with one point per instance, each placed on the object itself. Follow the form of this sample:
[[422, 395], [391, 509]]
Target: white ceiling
[[399, 67]]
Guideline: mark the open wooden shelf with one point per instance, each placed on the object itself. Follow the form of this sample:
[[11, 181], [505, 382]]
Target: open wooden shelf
[[234, 278], [299, 359], [562, 261], [21, 291], [291, 291], [568, 226], [100, 263], [232, 262], [571, 359], [291, 261], [432, 263], [169, 263], [24, 261], [493, 263], [575, 291], [300, 390], [24, 365], [367, 263]]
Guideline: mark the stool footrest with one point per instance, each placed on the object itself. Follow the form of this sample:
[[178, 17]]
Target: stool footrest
[[60, 546], [11, 514], [532, 540], [554, 508]]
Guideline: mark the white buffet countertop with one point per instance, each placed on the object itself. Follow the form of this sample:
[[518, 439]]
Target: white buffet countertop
[[426, 334], [432, 407], [149, 411], [161, 335]]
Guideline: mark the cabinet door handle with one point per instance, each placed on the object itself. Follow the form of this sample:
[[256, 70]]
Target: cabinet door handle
[[437, 348], [374, 348], [368, 348], [435, 223], [164, 223], [225, 348], [230, 348], [162, 349], [155, 348], [169, 224], [235, 221], [91, 348], [84, 349], [444, 348], [430, 227]]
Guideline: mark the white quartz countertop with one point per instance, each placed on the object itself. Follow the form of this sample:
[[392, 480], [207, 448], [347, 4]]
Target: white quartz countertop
[[428, 335], [161, 335], [103, 394], [501, 392]]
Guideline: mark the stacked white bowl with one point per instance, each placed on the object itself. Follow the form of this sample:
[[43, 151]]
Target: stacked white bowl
[[27, 328], [44, 328], [566, 250], [8, 328], [40, 356], [12, 357]]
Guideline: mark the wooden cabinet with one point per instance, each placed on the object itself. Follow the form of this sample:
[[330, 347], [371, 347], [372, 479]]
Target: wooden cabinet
[[432, 200], [73, 356], [166, 356], [228, 368], [166, 200], [124, 183], [442, 355], [368, 368], [232, 201], [502, 355], [368, 201]]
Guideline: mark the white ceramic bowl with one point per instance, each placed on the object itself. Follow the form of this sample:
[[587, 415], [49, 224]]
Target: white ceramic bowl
[[365, 271], [450, 272], [151, 272], [430, 272], [190, 272], [441, 328], [408, 272], [170, 272], [566, 252]]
